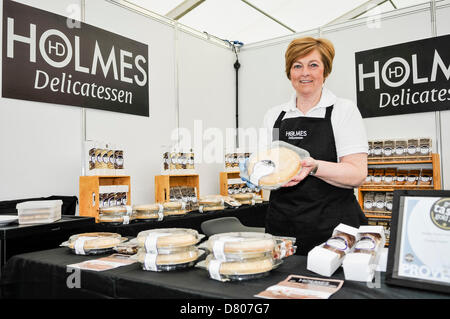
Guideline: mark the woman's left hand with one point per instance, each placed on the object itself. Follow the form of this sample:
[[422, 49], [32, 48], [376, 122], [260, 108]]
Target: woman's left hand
[[308, 164]]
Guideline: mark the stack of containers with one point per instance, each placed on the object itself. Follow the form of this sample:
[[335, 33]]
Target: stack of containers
[[39, 212], [175, 208], [207, 204], [116, 215], [240, 256], [168, 249], [148, 212]]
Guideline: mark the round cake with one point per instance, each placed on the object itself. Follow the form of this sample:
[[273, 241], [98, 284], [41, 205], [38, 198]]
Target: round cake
[[242, 244], [169, 237], [247, 267], [176, 258], [98, 240], [287, 164]]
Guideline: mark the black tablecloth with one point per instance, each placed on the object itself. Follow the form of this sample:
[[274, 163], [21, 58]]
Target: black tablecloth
[[44, 274]]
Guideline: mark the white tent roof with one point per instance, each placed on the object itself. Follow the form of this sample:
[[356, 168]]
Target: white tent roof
[[250, 21]]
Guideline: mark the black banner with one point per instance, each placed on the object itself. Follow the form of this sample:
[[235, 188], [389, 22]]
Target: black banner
[[55, 59], [405, 78]]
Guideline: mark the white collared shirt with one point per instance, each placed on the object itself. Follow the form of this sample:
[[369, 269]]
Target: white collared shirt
[[348, 127]]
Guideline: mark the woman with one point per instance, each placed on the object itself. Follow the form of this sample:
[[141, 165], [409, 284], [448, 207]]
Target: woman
[[321, 196]]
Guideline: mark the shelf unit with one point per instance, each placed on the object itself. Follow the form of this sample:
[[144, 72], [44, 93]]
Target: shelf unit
[[384, 217], [89, 192], [226, 177], [163, 183]]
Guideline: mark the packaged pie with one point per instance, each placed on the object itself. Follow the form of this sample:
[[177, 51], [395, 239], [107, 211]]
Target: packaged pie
[[161, 240], [148, 212], [273, 167], [175, 208], [93, 243], [240, 245], [115, 215], [239, 270], [211, 203], [174, 260]]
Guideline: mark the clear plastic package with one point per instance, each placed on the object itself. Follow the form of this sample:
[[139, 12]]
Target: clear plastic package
[[148, 212], [240, 245], [211, 203], [175, 208], [39, 212], [239, 270], [93, 243], [116, 215], [273, 167], [285, 247], [163, 239], [172, 260]]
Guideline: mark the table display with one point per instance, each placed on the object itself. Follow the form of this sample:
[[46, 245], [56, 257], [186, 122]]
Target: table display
[[44, 274]]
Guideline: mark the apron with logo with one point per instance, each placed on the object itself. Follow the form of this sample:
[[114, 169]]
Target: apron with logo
[[310, 210]]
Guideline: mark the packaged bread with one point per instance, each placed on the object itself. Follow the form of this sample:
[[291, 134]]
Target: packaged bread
[[164, 239], [388, 148], [378, 175], [273, 167], [369, 201], [400, 148], [413, 147], [377, 149], [211, 203], [425, 146], [93, 243]]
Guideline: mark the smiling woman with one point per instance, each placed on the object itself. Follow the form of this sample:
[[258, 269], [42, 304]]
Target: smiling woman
[[321, 196]]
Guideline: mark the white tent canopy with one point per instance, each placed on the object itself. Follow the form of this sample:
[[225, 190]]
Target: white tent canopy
[[250, 21]]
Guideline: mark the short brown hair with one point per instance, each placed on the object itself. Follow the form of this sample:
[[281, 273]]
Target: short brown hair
[[301, 47]]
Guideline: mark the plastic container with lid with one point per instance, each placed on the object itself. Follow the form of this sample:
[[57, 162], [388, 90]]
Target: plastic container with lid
[[93, 243], [275, 166], [39, 212], [241, 245], [177, 259], [148, 212], [115, 215], [166, 239], [175, 208], [211, 203], [239, 270]]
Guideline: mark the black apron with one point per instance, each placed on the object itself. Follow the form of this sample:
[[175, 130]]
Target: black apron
[[310, 210]]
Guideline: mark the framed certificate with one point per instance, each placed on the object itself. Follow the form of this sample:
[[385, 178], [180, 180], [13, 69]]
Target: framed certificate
[[419, 252]]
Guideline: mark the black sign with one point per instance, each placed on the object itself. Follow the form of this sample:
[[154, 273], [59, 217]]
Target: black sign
[[55, 59], [406, 78]]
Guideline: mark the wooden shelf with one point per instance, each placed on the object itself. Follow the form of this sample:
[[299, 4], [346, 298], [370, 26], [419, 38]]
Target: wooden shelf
[[401, 160], [89, 192], [391, 188], [163, 183]]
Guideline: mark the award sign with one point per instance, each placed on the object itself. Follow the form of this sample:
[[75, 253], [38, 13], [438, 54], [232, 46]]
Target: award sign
[[419, 255]]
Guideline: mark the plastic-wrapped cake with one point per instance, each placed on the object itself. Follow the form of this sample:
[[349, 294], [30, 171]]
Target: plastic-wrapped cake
[[93, 243]]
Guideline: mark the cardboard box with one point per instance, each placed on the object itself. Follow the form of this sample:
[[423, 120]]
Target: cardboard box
[[324, 261], [362, 262]]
